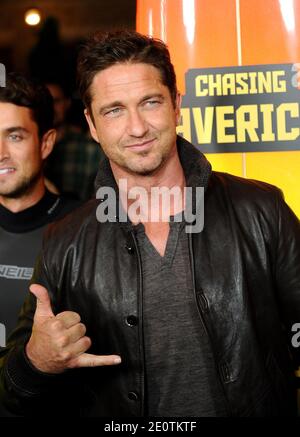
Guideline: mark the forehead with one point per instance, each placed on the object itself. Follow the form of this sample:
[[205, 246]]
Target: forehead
[[126, 79], [13, 115]]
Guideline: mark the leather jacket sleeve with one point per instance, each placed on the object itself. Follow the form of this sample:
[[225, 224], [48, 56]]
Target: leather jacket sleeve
[[287, 270]]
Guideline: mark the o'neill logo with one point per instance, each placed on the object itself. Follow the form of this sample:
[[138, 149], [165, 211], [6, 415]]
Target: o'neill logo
[[15, 272]]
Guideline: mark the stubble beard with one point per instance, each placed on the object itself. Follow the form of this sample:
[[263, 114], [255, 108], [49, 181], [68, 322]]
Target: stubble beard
[[22, 187], [149, 170], [152, 168]]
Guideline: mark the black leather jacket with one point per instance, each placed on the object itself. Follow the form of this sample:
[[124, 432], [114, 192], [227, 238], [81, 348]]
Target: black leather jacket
[[246, 268]]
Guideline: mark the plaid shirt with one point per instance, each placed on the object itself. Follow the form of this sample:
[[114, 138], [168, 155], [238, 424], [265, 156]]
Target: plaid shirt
[[73, 165]]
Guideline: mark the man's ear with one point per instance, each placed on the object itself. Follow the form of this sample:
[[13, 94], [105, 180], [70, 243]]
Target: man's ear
[[177, 108], [47, 143], [91, 124]]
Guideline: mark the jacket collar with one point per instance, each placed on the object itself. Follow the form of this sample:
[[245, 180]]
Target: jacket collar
[[196, 168]]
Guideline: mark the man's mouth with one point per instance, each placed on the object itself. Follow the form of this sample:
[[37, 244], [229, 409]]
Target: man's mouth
[[143, 145], [7, 170]]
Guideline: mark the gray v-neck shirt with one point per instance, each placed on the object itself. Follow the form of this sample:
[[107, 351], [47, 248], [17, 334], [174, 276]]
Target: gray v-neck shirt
[[181, 378]]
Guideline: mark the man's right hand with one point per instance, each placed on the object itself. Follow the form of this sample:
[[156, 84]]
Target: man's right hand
[[58, 342]]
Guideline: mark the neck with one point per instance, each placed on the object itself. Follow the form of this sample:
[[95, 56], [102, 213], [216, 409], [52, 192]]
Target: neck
[[28, 199]]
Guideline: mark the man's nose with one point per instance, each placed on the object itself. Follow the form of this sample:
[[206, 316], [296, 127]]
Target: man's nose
[[3, 150], [137, 125]]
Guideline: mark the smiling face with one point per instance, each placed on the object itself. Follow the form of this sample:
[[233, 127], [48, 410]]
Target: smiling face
[[21, 151], [134, 117]]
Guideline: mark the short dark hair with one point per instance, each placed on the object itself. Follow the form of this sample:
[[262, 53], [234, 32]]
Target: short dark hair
[[101, 51], [21, 90]]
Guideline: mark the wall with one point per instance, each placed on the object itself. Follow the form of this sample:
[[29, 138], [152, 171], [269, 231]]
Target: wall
[[225, 33]]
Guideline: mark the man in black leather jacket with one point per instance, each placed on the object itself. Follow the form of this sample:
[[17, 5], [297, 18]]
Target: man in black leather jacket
[[177, 320]]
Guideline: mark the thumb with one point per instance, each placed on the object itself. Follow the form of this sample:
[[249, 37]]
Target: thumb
[[43, 304]]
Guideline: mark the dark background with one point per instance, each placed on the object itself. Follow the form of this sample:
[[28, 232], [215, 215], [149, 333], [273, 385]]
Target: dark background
[[76, 19], [49, 50]]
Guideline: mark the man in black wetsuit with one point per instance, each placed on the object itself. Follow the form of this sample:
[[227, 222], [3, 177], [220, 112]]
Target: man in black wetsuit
[[26, 206]]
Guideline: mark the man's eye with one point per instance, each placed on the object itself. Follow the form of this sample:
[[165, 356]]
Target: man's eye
[[112, 112], [152, 102], [15, 137]]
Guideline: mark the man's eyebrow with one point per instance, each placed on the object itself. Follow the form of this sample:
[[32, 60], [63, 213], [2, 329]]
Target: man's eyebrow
[[109, 106], [116, 103], [16, 129]]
